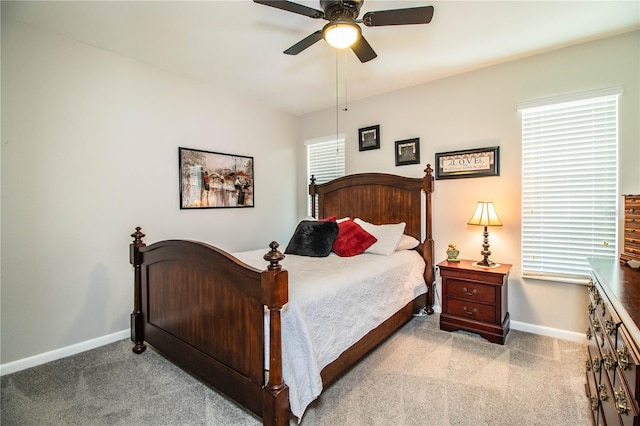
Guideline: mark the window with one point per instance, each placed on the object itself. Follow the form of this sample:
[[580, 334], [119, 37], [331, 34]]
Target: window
[[325, 161], [569, 184]]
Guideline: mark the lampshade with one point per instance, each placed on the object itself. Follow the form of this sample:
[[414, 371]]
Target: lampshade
[[485, 215], [341, 34]]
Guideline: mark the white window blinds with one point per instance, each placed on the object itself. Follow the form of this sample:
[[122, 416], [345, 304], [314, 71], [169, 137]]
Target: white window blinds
[[569, 184], [325, 161]]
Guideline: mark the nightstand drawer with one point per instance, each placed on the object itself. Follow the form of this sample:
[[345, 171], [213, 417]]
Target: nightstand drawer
[[472, 311], [470, 290]]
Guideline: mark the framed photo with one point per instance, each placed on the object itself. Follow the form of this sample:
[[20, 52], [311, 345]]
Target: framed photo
[[369, 138], [214, 180], [468, 163], [408, 152]]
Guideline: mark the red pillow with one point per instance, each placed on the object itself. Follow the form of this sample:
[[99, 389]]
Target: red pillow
[[352, 239]]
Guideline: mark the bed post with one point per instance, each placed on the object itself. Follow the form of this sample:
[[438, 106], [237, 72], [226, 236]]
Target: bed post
[[429, 271], [314, 196], [135, 258], [275, 294]]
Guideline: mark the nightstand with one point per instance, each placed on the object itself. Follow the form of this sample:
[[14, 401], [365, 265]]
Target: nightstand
[[475, 299]]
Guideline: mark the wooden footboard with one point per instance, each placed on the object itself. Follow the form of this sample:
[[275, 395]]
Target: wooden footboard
[[204, 309]]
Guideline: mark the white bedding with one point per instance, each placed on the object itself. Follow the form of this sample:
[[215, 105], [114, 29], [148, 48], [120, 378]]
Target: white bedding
[[333, 302]]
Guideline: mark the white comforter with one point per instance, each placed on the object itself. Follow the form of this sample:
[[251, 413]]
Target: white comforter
[[333, 302]]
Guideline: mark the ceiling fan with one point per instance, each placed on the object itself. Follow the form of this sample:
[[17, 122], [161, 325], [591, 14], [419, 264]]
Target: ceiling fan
[[342, 16]]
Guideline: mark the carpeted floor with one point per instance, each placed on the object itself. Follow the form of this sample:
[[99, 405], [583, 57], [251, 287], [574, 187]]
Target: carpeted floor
[[420, 376]]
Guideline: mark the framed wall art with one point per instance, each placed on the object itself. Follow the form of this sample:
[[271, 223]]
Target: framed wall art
[[214, 180], [369, 138], [407, 152], [468, 163]]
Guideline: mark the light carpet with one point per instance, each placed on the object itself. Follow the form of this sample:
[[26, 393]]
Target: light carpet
[[419, 376]]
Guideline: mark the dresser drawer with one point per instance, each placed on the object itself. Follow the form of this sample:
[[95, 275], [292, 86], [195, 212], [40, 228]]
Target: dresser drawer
[[631, 243], [632, 201], [472, 311], [471, 290]]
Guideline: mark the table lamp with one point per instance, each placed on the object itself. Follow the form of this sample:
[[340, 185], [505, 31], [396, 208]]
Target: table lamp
[[485, 215]]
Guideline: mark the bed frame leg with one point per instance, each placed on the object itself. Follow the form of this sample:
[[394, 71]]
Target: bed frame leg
[[275, 294], [137, 321], [429, 272]]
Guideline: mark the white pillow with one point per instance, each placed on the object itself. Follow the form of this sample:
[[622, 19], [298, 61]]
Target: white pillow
[[388, 236], [407, 242]]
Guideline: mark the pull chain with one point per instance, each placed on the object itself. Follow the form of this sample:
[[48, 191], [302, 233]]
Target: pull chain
[[337, 104]]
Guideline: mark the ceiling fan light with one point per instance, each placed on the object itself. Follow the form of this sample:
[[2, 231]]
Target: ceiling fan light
[[341, 34]]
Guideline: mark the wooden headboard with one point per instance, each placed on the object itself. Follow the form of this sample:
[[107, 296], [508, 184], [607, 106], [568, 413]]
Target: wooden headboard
[[377, 198]]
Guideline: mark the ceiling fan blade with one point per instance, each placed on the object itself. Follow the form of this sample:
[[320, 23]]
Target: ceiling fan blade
[[292, 7], [363, 50], [412, 15], [304, 43]]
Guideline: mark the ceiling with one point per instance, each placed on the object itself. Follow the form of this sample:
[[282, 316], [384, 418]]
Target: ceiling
[[237, 45]]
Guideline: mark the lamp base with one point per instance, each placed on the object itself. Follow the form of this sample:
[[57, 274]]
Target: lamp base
[[488, 264]]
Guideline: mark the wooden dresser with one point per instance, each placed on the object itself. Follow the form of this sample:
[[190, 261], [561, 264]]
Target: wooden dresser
[[631, 245], [474, 299], [613, 360]]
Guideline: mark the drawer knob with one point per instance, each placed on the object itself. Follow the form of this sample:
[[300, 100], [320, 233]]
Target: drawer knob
[[469, 312], [596, 365], [591, 308], [588, 333], [588, 365], [468, 293]]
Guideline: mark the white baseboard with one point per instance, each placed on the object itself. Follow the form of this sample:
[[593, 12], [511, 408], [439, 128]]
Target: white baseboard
[[550, 332], [539, 329], [22, 364]]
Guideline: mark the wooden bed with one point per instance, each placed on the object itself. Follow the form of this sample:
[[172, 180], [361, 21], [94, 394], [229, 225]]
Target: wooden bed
[[205, 310]]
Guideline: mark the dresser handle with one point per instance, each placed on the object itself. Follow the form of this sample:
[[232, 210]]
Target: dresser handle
[[473, 293], [621, 401], [603, 392], [610, 326], [464, 308], [594, 403], [623, 358], [609, 362]]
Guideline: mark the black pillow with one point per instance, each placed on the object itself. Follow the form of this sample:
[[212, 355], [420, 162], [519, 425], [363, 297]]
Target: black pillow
[[313, 238]]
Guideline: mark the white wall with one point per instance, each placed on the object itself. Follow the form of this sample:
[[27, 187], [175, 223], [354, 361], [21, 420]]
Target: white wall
[[478, 109], [89, 151]]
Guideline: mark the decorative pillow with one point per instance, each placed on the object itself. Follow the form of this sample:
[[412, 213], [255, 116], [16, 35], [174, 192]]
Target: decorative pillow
[[351, 239], [407, 242], [388, 236], [313, 238]]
